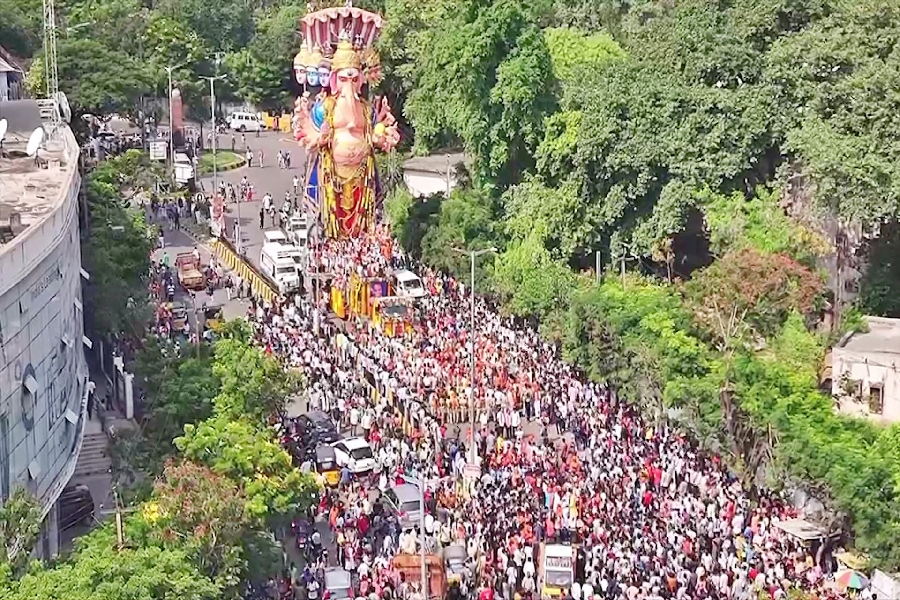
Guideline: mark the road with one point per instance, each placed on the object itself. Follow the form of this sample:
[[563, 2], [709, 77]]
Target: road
[[265, 179]]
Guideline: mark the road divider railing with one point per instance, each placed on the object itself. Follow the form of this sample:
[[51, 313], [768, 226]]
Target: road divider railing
[[259, 283]]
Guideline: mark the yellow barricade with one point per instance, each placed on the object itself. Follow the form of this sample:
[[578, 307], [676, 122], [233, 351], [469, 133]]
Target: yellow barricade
[[242, 269]]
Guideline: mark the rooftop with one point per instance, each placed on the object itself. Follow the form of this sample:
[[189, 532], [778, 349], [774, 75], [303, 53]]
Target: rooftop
[[883, 337], [30, 187], [434, 163]]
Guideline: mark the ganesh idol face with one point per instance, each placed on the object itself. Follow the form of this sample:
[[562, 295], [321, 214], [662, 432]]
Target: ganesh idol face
[[347, 81], [312, 76], [324, 76]]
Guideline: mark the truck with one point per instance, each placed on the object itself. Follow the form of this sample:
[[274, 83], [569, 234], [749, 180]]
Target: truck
[[556, 570], [282, 264], [184, 171], [410, 566], [190, 276]]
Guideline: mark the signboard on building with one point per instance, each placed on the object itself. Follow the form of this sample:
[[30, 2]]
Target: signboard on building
[[158, 150]]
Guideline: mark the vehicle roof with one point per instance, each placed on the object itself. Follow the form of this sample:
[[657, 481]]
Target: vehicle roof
[[274, 234], [405, 275], [325, 452], [317, 416], [557, 550], [406, 492], [455, 551], [336, 577], [353, 443]]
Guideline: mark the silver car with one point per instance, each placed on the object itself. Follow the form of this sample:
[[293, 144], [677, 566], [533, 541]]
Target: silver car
[[404, 499], [337, 583]]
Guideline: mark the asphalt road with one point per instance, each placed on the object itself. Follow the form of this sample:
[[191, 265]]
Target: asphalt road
[[267, 178]]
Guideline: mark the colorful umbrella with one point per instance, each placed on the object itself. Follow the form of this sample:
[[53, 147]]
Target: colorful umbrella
[[850, 579]]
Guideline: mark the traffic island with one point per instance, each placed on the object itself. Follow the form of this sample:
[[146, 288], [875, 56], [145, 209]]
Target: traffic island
[[225, 160]]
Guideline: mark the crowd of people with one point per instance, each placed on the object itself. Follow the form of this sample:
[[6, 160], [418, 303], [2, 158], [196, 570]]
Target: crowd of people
[[561, 459]]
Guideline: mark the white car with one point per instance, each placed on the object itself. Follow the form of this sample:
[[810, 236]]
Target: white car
[[244, 121], [356, 454]]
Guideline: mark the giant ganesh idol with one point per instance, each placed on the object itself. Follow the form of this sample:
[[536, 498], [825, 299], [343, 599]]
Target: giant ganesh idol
[[339, 126]]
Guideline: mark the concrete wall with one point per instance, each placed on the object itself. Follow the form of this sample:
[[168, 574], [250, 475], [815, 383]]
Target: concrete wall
[[422, 184], [871, 368], [41, 332]]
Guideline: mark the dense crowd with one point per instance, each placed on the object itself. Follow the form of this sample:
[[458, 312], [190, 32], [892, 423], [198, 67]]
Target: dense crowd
[[562, 459]]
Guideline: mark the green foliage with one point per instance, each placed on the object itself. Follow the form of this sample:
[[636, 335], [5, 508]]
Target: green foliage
[[224, 26], [483, 76], [397, 206], [735, 223], [529, 281], [97, 79], [745, 296], [879, 292], [20, 526], [20, 26], [836, 83], [117, 252], [262, 69], [274, 489], [464, 222], [571, 51], [97, 570], [252, 383]]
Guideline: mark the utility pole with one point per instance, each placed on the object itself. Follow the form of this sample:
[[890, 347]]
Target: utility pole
[[448, 176], [215, 159], [169, 70], [473, 450], [624, 250], [424, 570], [597, 265]]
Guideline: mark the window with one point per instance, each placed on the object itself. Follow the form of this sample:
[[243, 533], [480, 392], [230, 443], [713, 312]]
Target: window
[[876, 399]]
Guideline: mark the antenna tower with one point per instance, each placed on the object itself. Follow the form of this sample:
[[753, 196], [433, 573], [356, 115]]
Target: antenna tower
[[51, 71]]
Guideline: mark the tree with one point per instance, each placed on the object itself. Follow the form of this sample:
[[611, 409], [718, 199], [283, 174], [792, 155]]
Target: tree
[[225, 26], [746, 295], [264, 68], [204, 512], [97, 79], [572, 51], [20, 526], [97, 569], [464, 222], [252, 382], [529, 281], [117, 253], [274, 489], [485, 77], [880, 286]]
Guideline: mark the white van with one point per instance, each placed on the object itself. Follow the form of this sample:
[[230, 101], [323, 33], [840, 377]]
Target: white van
[[275, 236], [279, 262], [297, 230], [244, 121], [407, 284]]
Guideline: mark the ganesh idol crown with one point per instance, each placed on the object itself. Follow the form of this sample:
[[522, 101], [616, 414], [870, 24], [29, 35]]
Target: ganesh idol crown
[[337, 120]]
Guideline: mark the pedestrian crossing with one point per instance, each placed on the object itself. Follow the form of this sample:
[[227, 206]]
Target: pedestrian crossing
[[243, 269]]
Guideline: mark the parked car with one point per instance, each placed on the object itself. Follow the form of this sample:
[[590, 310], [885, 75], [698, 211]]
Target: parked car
[[316, 428], [356, 454], [405, 501]]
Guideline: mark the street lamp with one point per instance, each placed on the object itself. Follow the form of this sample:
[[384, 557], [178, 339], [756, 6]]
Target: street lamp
[[215, 160], [473, 254], [169, 70]]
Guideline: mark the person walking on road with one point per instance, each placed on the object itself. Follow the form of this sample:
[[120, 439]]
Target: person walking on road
[[296, 183], [249, 157], [261, 158], [262, 216]]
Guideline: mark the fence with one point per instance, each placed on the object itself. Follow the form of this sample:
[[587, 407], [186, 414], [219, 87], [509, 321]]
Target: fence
[[260, 285]]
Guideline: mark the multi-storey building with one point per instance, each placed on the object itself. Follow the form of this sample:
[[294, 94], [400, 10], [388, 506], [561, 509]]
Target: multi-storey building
[[43, 373]]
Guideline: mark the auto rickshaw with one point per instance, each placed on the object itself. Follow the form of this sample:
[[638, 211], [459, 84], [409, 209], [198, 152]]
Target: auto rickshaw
[[212, 316], [179, 313], [326, 465]]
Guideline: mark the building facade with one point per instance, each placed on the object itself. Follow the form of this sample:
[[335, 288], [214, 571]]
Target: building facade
[[43, 373], [866, 371]]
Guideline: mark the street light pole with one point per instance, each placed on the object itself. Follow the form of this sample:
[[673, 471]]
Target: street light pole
[[215, 159], [473, 452]]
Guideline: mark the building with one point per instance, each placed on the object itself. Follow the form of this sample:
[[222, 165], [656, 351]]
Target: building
[[434, 174], [864, 371], [12, 77], [43, 373]]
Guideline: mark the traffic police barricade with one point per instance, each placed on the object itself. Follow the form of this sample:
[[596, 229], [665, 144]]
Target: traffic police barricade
[[260, 285]]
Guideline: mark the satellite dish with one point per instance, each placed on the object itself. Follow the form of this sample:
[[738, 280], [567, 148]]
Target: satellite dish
[[3, 126], [64, 110], [34, 141]]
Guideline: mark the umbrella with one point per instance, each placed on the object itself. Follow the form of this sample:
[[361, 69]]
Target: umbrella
[[851, 579]]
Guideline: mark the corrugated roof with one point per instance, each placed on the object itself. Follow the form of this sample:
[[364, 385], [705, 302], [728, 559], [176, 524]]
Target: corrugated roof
[[5, 67]]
